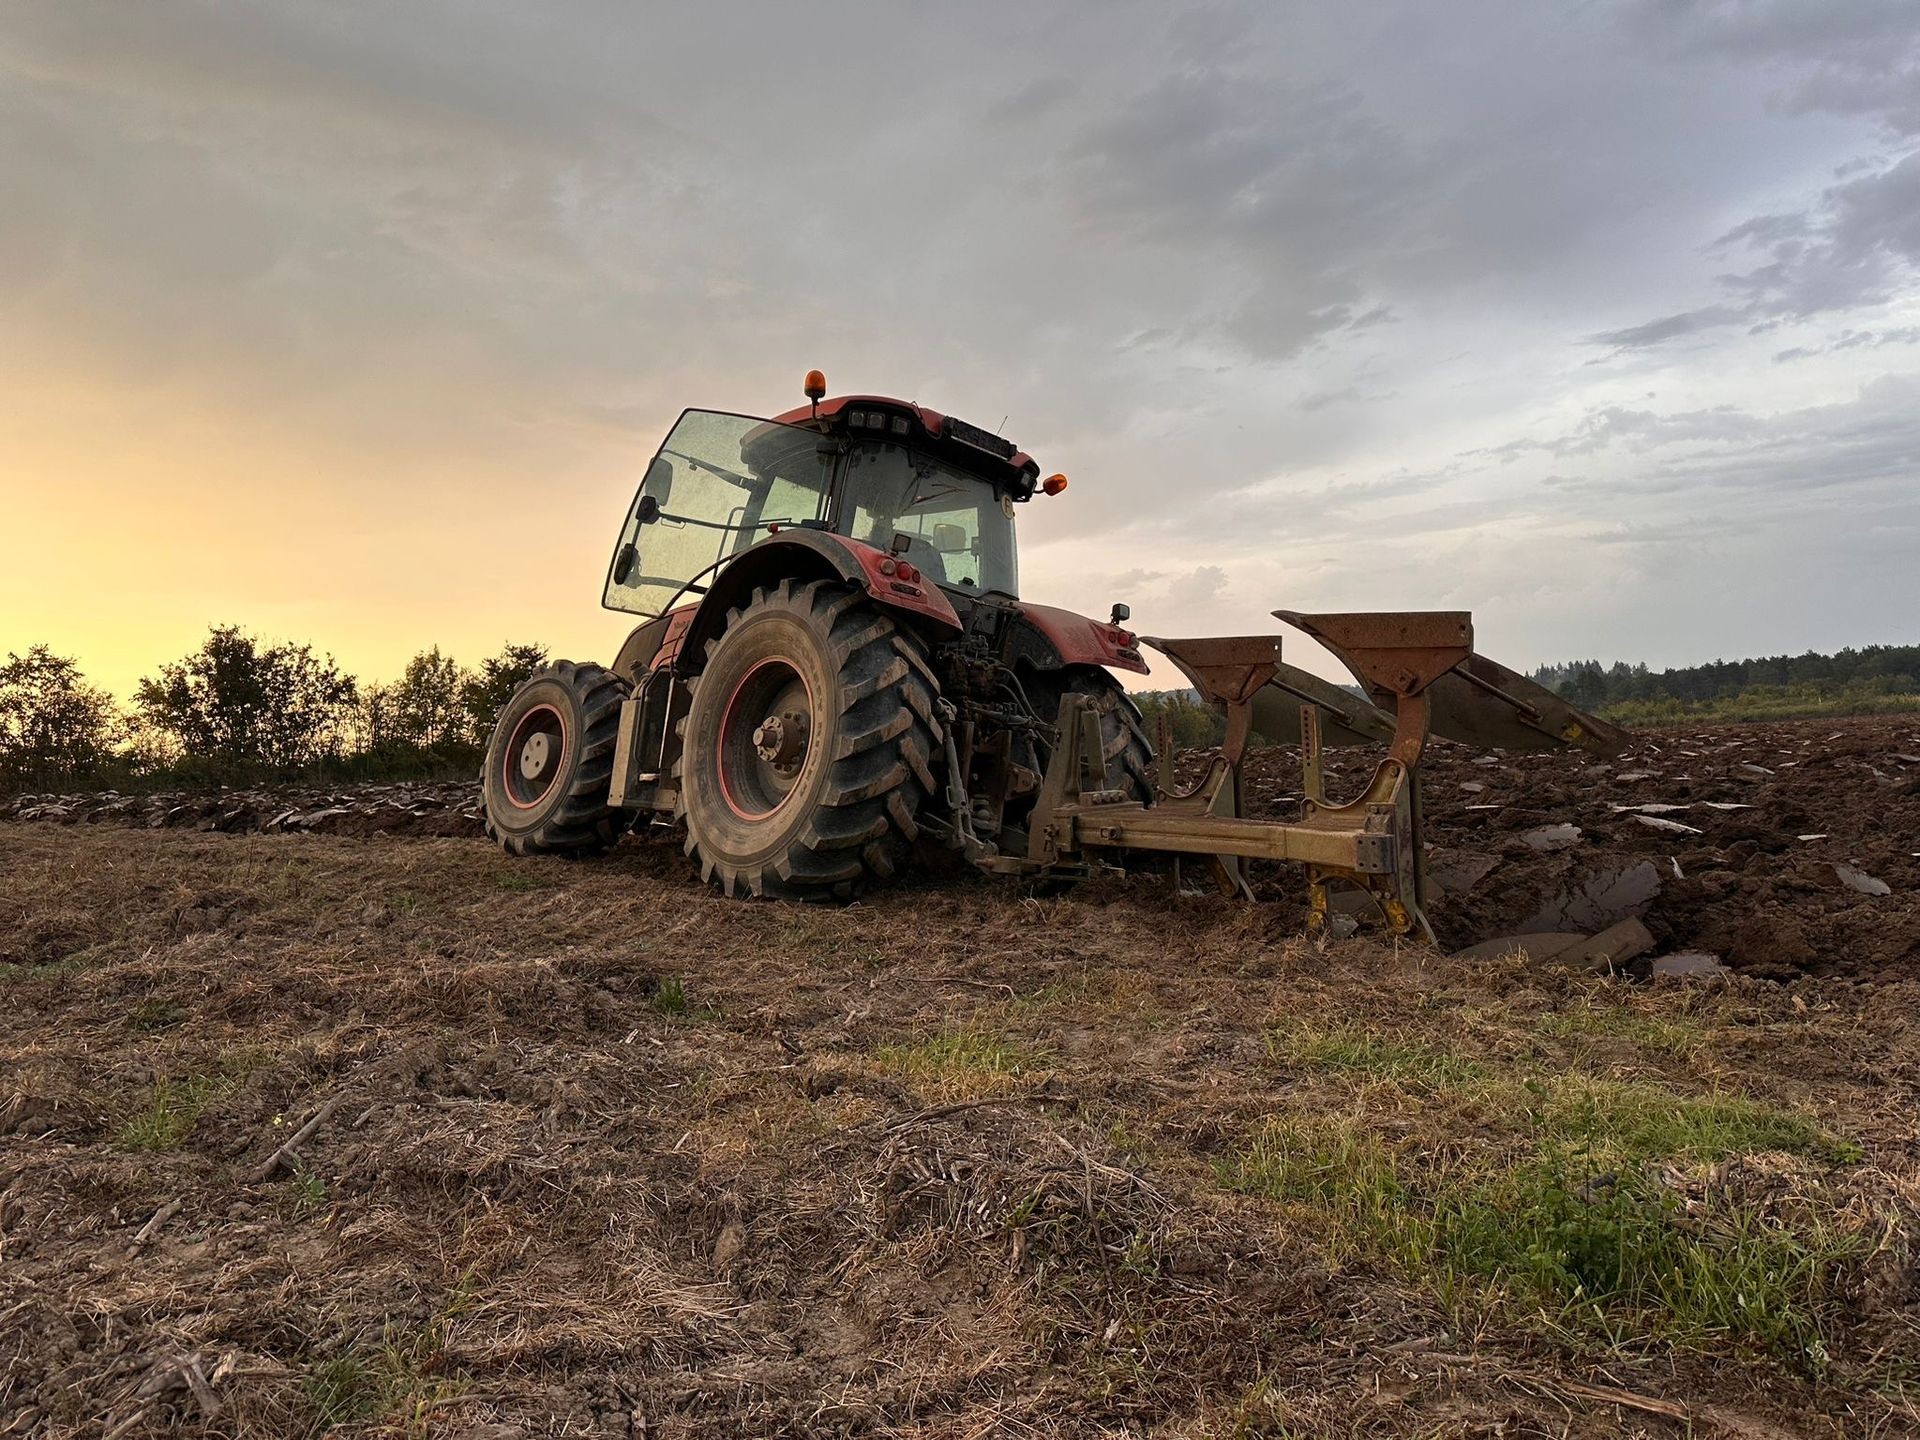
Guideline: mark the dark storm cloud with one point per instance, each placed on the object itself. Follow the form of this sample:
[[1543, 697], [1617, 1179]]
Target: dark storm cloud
[[1857, 247], [1274, 181], [1858, 242], [1849, 57]]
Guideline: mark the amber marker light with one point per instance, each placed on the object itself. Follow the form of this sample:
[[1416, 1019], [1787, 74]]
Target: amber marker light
[[816, 385], [1054, 484]]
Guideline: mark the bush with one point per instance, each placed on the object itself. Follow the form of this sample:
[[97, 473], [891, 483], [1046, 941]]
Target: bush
[[55, 729], [1195, 726], [487, 689], [234, 710], [427, 713], [1875, 680], [1883, 696]]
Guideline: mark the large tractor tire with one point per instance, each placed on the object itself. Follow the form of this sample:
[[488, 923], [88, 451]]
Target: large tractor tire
[[808, 746], [1122, 732], [548, 774], [1123, 737]]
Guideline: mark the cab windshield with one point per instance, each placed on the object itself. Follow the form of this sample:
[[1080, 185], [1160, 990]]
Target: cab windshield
[[958, 530], [717, 483]]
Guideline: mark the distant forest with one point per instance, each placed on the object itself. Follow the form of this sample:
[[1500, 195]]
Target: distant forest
[[1873, 680]]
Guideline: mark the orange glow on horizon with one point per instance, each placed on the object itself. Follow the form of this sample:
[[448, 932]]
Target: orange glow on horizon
[[136, 522]]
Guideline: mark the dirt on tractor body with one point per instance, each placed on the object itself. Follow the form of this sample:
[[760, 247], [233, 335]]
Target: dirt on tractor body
[[310, 1134]]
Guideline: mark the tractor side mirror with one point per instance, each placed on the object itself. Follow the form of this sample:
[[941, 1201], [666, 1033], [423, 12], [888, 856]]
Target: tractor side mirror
[[647, 511], [624, 562]]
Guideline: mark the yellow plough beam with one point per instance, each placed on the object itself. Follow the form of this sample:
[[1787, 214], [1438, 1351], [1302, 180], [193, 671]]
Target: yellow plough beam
[[1420, 670]]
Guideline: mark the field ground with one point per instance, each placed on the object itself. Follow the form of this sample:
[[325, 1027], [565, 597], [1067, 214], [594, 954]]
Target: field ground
[[599, 1153]]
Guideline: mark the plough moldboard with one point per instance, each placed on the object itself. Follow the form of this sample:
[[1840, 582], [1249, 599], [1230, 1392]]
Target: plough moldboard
[[1422, 677]]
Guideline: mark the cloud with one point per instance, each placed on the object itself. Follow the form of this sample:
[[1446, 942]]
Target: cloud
[[1637, 430], [1269, 180], [1668, 327], [1856, 243], [1843, 57], [1872, 438], [1201, 586], [1858, 247]]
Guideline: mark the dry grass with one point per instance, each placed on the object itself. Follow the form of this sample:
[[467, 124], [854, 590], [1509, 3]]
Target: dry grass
[[613, 1156]]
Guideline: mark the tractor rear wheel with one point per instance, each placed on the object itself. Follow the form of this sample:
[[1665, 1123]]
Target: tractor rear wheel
[[547, 779], [808, 745], [1123, 733], [1123, 738]]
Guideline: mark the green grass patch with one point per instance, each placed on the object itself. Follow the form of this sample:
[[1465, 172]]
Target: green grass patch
[[1068, 989], [1655, 1034], [519, 881], [671, 1001], [669, 997], [402, 1381], [1636, 1122], [309, 1191], [1355, 1049], [1587, 1202], [168, 1113], [150, 1015], [963, 1059], [341, 1390], [22, 971]]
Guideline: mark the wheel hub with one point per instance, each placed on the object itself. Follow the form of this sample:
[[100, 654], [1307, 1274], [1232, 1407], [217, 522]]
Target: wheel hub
[[781, 740], [765, 739], [536, 756]]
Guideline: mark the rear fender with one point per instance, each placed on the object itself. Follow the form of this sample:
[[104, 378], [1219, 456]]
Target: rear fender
[[802, 555], [1064, 638]]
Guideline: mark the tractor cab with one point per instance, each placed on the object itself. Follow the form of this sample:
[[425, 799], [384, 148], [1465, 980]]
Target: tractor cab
[[929, 495]]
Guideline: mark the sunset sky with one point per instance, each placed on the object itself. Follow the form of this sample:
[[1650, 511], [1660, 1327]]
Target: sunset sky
[[355, 323]]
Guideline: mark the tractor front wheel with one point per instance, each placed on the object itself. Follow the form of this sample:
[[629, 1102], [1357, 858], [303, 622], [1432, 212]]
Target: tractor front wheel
[[548, 776], [808, 745]]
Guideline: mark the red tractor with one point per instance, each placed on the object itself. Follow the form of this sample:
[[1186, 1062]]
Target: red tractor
[[834, 661]]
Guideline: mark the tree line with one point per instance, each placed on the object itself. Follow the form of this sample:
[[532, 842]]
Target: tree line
[[1875, 670], [237, 710]]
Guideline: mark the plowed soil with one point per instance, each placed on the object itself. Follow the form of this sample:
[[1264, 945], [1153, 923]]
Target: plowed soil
[[1783, 850], [1776, 816], [593, 1152]]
